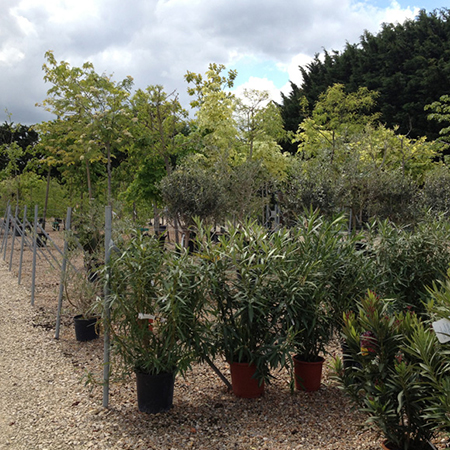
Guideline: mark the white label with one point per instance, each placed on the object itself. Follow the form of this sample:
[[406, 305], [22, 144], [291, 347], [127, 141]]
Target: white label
[[146, 316], [442, 329]]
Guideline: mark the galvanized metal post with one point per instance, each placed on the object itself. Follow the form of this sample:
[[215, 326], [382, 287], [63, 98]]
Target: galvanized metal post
[[4, 223], [22, 243], [63, 273], [5, 237], [106, 309], [33, 271], [15, 227]]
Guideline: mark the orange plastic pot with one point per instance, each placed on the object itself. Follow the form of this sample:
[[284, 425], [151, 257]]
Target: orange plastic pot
[[308, 375], [243, 382]]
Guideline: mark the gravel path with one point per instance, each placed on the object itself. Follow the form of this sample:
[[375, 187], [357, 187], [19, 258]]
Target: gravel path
[[44, 404]]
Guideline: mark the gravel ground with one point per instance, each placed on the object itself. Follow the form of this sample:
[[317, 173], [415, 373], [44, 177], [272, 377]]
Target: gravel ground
[[44, 403]]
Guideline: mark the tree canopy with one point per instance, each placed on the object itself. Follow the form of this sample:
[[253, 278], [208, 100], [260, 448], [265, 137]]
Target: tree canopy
[[408, 64]]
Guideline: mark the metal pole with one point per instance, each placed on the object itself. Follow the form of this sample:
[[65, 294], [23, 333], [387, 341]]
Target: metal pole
[[3, 228], [15, 227], [5, 237], [107, 311], [41, 231], [63, 273], [33, 273], [24, 221]]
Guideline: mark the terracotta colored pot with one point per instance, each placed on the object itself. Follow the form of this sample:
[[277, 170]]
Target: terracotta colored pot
[[242, 380], [308, 375]]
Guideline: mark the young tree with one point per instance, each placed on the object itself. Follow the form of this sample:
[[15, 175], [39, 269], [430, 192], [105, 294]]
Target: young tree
[[157, 127], [95, 108], [440, 112], [215, 106], [238, 137], [335, 119], [259, 128]]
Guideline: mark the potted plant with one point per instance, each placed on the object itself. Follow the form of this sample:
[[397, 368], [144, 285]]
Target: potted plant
[[318, 276], [83, 292], [387, 384], [430, 346], [156, 306], [241, 268]]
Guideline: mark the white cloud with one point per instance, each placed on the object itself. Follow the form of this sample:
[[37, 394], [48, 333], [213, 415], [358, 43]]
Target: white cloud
[[259, 84], [396, 14], [157, 41]]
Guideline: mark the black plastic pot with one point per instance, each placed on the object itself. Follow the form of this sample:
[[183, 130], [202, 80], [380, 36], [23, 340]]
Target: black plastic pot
[[85, 329], [41, 240], [155, 392]]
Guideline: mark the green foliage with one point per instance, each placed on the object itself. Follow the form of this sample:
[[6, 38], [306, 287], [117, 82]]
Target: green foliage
[[215, 114], [192, 193], [408, 64], [309, 185], [436, 190], [384, 379], [335, 118], [349, 164], [281, 292], [82, 290], [409, 260], [322, 275], [392, 196], [24, 136], [157, 128], [435, 357], [241, 271], [441, 114], [145, 280], [88, 225], [32, 192], [91, 109], [260, 126]]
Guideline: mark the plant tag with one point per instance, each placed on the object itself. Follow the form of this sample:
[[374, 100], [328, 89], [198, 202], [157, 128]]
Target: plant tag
[[442, 330], [146, 316]]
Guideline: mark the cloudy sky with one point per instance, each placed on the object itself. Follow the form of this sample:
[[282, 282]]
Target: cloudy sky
[[158, 41]]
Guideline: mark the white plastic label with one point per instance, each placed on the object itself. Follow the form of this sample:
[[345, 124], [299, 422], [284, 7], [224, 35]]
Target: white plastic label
[[146, 316], [442, 329]]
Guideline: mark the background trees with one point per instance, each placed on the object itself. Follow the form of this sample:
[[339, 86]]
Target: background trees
[[352, 145], [407, 64]]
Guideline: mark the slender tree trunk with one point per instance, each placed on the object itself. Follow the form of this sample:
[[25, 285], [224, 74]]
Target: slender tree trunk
[[88, 177], [177, 231], [156, 218]]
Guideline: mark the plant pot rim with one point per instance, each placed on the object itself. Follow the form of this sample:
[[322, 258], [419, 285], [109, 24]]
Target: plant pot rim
[[247, 363], [300, 357], [83, 317], [162, 373]]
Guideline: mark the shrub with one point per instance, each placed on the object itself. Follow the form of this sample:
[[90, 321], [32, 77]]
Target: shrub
[[385, 380]]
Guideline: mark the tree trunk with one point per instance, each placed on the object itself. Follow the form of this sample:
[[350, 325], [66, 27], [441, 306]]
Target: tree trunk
[[88, 176], [156, 219]]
